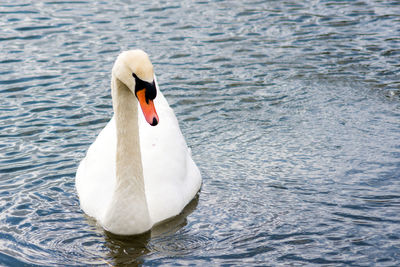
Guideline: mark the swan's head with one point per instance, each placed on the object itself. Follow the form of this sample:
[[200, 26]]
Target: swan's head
[[134, 69]]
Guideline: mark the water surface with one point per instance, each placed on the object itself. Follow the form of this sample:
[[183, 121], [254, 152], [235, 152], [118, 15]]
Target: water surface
[[291, 109]]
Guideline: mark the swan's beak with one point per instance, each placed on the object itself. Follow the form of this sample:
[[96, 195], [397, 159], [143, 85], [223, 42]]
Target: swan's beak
[[147, 105]]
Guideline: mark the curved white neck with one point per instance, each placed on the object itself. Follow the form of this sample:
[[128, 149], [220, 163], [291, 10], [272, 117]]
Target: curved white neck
[[129, 160], [128, 212]]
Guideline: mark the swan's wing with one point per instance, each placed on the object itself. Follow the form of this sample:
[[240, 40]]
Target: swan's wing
[[95, 177], [171, 177]]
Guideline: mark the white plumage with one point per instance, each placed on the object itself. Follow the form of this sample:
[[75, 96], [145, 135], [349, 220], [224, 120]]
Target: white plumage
[[163, 164]]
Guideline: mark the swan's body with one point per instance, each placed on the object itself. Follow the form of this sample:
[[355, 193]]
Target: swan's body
[[135, 175]]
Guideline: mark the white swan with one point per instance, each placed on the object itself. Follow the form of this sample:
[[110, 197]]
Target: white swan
[[135, 175]]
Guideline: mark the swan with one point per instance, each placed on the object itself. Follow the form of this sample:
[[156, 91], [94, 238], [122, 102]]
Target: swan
[[139, 171]]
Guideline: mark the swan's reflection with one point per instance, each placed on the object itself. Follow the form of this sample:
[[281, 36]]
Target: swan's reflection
[[130, 249]]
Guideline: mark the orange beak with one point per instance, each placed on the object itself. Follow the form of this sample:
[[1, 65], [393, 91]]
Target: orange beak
[[148, 108]]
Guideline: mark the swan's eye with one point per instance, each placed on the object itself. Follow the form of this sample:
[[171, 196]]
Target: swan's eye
[[151, 91], [150, 88]]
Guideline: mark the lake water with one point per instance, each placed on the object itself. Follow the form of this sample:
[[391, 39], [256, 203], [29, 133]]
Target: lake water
[[291, 108]]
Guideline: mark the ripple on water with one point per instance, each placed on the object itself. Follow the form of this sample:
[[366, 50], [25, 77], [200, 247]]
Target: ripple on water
[[291, 111], [179, 244]]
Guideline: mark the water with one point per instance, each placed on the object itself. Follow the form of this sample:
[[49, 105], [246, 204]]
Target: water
[[291, 109]]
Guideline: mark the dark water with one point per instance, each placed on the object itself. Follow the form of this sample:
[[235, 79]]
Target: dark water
[[291, 108]]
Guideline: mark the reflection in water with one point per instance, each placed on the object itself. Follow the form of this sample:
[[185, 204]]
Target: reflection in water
[[127, 249], [130, 249]]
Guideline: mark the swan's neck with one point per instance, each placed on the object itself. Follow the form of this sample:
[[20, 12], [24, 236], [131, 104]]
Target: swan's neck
[[128, 212], [129, 161]]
